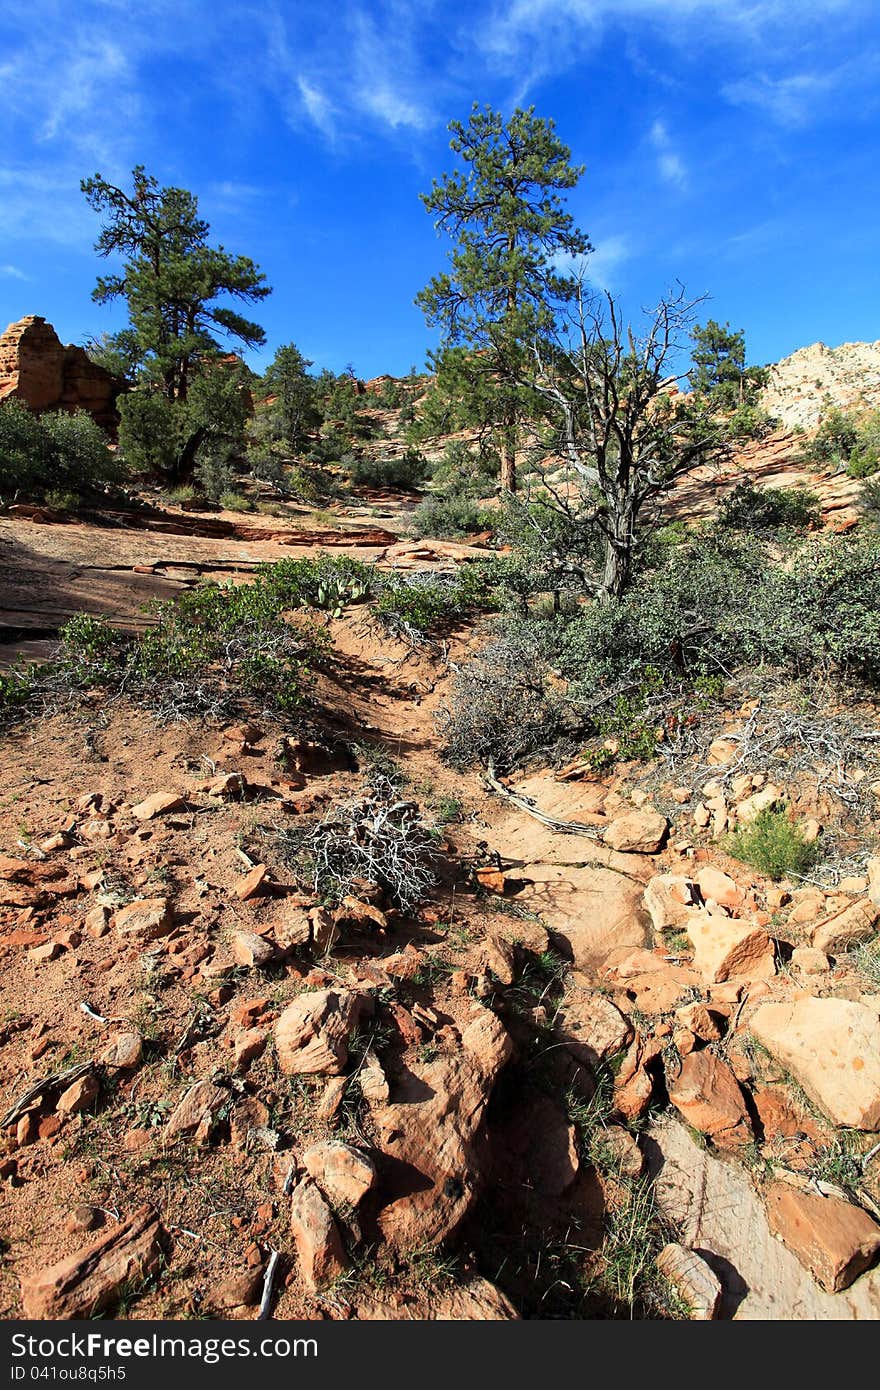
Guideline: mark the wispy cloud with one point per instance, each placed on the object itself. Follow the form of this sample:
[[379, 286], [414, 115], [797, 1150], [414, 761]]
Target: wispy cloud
[[318, 107], [670, 164], [12, 272], [800, 98]]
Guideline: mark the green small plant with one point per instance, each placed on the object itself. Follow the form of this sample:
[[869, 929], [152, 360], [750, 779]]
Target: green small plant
[[235, 502], [773, 844]]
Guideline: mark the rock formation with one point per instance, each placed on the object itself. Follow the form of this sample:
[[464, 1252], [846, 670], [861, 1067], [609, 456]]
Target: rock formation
[[36, 368]]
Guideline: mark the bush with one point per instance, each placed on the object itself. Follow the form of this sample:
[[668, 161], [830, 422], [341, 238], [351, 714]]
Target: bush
[[378, 837], [451, 517], [405, 471], [413, 604], [750, 508], [505, 704], [55, 453], [773, 845]]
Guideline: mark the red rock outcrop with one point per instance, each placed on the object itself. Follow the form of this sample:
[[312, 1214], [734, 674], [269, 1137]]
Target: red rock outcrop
[[36, 368]]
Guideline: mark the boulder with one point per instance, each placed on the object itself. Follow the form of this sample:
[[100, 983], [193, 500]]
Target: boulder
[[90, 1281], [847, 928], [637, 832], [707, 1096], [316, 1236], [592, 1028], [343, 1173], [695, 1282], [670, 899], [595, 910], [720, 888], [311, 1035], [724, 947], [833, 1239], [832, 1049], [433, 1140]]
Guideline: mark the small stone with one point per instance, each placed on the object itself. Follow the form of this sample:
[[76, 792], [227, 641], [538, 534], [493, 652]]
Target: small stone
[[311, 1035], [720, 888], [253, 885], [41, 955], [124, 1051], [627, 1155], [251, 951], [316, 1236], [722, 751], [158, 805], [80, 1095], [724, 947], [670, 900], [82, 1218], [145, 919], [809, 961], [592, 1028], [344, 1174], [706, 1094], [693, 1279], [843, 930], [751, 808], [248, 1046], [238, 1291], [97, 922], [499, 958]]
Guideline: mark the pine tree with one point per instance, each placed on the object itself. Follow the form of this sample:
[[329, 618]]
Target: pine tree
[[174, 284], [510, 232]]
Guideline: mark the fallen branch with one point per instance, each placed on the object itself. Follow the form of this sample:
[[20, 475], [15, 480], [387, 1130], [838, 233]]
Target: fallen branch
[[268, 1282], [56, 1081], [564, 827]]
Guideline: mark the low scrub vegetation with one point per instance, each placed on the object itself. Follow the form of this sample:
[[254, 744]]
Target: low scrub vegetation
[[773, 844], [62, 459]]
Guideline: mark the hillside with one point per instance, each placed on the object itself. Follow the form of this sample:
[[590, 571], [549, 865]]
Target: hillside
[[286, 973]]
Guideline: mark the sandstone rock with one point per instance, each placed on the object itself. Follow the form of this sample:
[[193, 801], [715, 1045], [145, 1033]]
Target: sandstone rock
[[238, 1291], [157, 805], [373, 1082], [535, 1147], [624, 1149], [807, 903], [343, 1173], [292, 927], [81, 1095], [331, 1098], [592, 1028], [432, 1136], [89, 1282], [872, 869], [809, 961], [353, 913], [751, 808], [706, 1094], [42, 955], [145, 919], [722, 751], [693, 1280], [253, 885], [832, 1049], [82, 1218], [699, 1021], [251, 951], [475, 1301], [36, 368], [670, 899], [720, 888], [724, 947], [637, 832], [596, 910], [499, 957], [196, 1110], [97, 922], [833, 1239], [123, 1051], [316, 1235], [847, 928], [248, 1046], [311, 1034]]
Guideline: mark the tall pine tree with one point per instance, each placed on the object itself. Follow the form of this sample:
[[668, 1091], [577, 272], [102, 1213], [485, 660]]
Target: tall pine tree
[[511, 235]]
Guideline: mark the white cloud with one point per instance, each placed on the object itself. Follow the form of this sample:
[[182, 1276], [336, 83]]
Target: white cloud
[[12, 272], [317, 105], [798, 98], [669, 162]]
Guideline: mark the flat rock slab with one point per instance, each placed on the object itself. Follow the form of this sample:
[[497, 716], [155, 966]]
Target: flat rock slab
[[832, 1049], [596, 910], [719, 1214]]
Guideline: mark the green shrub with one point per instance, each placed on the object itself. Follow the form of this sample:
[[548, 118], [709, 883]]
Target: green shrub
[[450, 517], [59, 453], [235, 502], [405, 471], [413, 604], [750, 508], [773, 845]]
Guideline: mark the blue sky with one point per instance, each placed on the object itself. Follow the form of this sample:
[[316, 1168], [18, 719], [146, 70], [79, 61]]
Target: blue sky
[[731, 144]]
